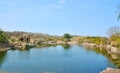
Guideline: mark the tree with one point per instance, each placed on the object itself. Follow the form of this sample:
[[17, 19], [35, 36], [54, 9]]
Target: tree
[[3, 36], [67, 37], [118, 11], [112, 31], [114, 36]]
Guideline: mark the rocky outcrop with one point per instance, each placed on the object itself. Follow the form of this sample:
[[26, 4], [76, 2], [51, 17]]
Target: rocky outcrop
[[5, 46], [23, 46], [111, 70], [112, 50], [91, 45], [25, 38], [112, 53]]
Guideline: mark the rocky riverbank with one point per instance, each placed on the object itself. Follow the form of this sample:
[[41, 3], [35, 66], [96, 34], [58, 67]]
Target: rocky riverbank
[[5, 46], [110, 49], [23, 41], [112, 53], [111, 70]]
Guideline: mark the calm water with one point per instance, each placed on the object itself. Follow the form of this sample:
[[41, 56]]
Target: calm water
[[74, 59]]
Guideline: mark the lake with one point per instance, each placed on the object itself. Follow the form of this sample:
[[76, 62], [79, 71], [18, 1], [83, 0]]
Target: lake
[[57, 59]]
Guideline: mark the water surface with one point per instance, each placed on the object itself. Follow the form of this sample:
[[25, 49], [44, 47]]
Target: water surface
[[66, 59]]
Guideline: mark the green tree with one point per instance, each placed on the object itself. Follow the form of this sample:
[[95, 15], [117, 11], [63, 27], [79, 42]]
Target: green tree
[[3, 37], [67, 37]]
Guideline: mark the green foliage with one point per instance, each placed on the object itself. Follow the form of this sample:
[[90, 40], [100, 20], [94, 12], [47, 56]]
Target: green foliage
[[67, 36], [103, 41], [81, 41], [116, 40], [3, 37], [66, 46], [96, 40], [13, 40]]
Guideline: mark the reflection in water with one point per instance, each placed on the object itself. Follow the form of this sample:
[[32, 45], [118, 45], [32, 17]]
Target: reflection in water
[[113, 58], [24, 54], [45, 46], [2, 57], [65, 59], [66, 46]]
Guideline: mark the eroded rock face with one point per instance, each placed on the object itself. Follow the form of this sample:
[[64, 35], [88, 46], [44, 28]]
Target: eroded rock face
[[25, 38], [114, 56], [111, 70], [115, 50], [112, 50]]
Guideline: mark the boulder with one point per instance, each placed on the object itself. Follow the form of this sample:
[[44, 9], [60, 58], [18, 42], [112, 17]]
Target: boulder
[[111, 70], [115, 50], [114, 56]]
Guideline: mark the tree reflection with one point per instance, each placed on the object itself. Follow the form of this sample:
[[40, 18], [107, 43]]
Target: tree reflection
[[2, 57], [66, 46]]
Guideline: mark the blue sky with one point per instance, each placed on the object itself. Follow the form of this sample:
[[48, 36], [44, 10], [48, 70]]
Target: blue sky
[[56, 17]]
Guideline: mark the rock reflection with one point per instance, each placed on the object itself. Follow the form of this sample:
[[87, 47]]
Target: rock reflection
[[112, 57]]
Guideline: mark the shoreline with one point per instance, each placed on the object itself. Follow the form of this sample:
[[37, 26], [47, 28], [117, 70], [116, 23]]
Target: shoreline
[[112, 51], [111, 70]]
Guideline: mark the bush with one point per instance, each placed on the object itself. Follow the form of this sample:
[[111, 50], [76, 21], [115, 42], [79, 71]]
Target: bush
[[3, 37]]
